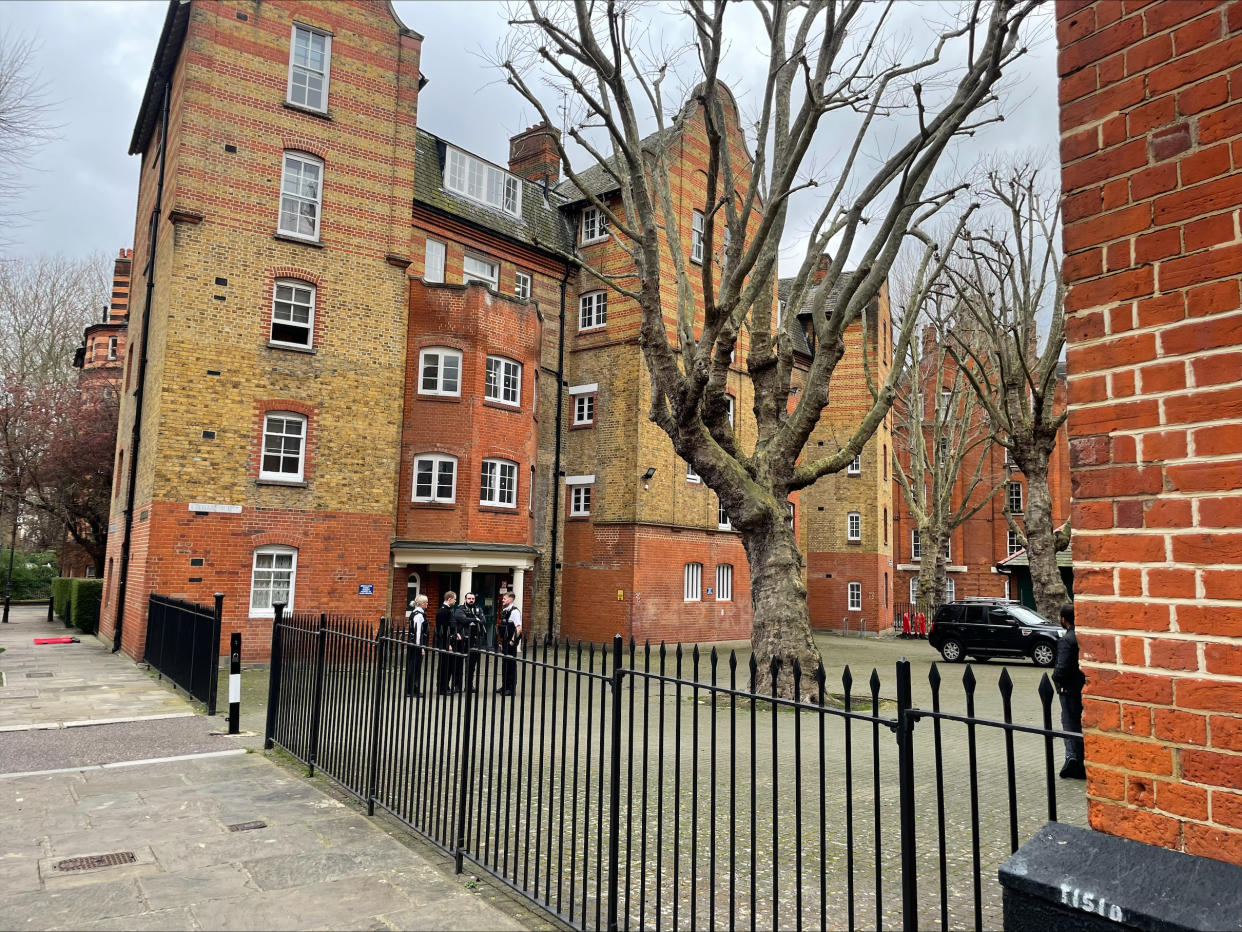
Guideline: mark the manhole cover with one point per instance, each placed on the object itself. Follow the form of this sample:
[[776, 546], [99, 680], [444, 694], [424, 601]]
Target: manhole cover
[[247, 826], [92, 861], [35, 676]]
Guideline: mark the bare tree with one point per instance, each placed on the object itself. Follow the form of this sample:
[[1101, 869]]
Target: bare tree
[[45, 303], [942, 445], [826, 58], [1009, 283], [23, 125]]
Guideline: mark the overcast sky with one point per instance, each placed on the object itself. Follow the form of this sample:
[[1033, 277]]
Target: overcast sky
[[94, 58]]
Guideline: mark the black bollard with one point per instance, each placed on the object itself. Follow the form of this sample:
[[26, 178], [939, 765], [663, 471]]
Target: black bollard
[[234, 683]]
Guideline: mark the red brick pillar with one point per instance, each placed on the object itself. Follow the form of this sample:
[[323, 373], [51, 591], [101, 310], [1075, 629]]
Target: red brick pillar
[[1151, 148]]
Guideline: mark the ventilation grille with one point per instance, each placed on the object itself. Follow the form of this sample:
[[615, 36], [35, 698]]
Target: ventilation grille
[[247, 826]]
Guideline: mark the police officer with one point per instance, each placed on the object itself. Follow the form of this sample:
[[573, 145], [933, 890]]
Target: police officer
[[468, 622], [509, 634], [416, 638], [444, 643]]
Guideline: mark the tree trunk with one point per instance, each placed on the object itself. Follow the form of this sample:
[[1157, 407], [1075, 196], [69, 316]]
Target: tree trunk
[[1041, 545], [928, 583], [778, 596]]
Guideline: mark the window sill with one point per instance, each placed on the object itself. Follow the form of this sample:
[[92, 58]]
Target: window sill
[[855, 543], [309, 111], [595, 240], [499, 509], [598, 328], [502, 405], [587, 426], [694, 261], [577, 517], [439, 506], [292, 348], [421, 396], [287, 483], [853, 475], [300, 240]]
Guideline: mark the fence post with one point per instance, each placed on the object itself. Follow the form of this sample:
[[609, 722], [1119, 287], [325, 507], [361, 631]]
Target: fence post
[[614, 787], [51, 617], [467, 736], [273, 677], [381, 656], [214, 667], [905, 772], [320, 658]]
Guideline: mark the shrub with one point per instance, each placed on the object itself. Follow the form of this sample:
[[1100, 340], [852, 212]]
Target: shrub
[[60, 596], [32, 574], [85, 595]]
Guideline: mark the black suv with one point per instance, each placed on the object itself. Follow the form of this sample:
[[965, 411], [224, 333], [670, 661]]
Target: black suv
[[993, 628]]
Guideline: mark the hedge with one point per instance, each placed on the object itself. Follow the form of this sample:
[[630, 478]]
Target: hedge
[[77, 600], [84, 604], [60, 596]]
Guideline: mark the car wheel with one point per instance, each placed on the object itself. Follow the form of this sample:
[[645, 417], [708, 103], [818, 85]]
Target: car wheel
[[951, 650], [1044, 654]]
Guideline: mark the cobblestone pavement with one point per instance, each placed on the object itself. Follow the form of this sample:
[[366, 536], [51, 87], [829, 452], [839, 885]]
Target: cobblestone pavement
[[812, 816], [59, 685]]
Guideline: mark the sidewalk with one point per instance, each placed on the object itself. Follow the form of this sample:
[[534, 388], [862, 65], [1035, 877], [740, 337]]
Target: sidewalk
[[217, 837]]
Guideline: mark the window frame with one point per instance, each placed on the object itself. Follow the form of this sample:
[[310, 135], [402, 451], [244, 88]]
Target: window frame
[[855, 466], [853, 604], [914, 590], [723, 521], [500, 383], [519, 291], [467, 276], [283, 476], [273, 550], [507, 183], [853, 527], [436, 460], [440, 262], [724, 582], [916, 544], [1014, 487], [792, 509], [113, 343], [441, 352], [304, 158], [1012, 545], [691, 476], [692, 582], [950, 589], [585, 400], [597, 220], [580, 500], [495, 487], [327, 67], [697, 223], [598, 302], [293, 283]]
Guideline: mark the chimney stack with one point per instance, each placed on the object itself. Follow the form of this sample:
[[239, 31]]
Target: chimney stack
[[533, 155]]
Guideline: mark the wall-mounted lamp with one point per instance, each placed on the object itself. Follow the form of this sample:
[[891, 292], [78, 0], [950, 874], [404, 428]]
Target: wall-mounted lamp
[[647, 476]]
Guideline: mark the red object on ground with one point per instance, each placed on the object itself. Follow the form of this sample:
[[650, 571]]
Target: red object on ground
[[57, 641], [922, 624], [905, 624]]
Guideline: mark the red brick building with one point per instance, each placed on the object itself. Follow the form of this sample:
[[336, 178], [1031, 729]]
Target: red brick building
[[365, 368]]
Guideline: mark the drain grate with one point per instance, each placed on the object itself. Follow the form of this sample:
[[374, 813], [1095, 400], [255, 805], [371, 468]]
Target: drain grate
[[247, 826], [92, 861], [35, 676]]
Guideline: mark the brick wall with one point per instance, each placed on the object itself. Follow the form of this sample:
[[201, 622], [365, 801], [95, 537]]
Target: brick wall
[[1151, 146]]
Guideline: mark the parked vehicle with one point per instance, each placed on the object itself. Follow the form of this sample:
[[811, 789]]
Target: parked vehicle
[[983, 628]]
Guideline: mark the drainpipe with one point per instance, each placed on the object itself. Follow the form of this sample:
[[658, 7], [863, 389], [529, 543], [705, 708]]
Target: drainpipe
[[140, 388], [556, 456]]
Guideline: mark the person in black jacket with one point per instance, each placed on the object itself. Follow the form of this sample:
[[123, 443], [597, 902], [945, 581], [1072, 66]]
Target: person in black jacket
[[444, 643], [1069, 681], [509, 634], [468, 622], [416, 639]]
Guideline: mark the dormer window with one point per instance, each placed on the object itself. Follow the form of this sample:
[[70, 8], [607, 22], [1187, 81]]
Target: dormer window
[[594, 226], [473, 178]]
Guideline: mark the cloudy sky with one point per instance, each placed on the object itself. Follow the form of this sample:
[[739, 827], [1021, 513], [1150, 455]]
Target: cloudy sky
[[94, 58]]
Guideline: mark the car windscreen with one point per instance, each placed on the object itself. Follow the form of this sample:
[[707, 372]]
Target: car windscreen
[[1025, 616]]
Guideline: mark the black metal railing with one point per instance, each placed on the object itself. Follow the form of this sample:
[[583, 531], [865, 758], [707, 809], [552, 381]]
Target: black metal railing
[[658, 787], [183, 644]]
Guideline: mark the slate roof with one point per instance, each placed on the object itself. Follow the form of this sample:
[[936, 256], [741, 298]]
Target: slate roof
[[541, 225], [1065, 559], [783, 288], [596, 179]]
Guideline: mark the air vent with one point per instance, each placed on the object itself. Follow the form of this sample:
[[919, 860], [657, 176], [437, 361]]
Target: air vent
[[94, 861], [247, 826], [209, 435]]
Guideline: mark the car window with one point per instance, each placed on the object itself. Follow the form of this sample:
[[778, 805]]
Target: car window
[[1027, 617], [974, 614], [998, 616]]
